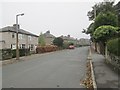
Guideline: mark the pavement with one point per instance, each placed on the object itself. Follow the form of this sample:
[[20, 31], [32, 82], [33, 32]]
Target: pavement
[[105, 75], [61, 69]]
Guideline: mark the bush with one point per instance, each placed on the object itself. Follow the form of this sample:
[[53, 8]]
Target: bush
[[114, 46], [8, 53], [107, 18], [5, 54], [47, 48], [104, 33], [22, 52], [58, 41]]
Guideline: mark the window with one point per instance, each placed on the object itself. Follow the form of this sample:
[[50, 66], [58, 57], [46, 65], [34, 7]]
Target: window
[[20, 46], [23, 46], [19, 36], [23, 36], [13, 35], [13, 46], [31, 46], [30, 38]]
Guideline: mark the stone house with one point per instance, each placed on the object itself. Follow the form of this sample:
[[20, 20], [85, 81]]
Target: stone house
[[69, 39], [84, 41], [48, 37], [25, 38]]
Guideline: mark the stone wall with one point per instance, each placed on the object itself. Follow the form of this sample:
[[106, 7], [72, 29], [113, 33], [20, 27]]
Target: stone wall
[[114, 60]]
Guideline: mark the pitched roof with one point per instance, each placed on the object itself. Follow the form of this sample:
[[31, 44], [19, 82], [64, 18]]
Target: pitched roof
[[13, 29], [48, 35], [67, 38]]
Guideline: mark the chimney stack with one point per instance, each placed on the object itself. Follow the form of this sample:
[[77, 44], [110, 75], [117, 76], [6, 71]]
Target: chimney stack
[[14, 25]]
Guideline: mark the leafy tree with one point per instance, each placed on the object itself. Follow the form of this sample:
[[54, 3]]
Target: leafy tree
[[71, 43], [104, 33], [58, 41], [101, 7], [113, 46], [90, 29], [107, 18], [117, 9], [105, 15], [41, 40]]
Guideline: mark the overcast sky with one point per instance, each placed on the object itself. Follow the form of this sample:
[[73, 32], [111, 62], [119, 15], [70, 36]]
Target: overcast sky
[[61, 18]]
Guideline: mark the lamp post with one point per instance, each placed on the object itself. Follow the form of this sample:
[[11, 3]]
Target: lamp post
[[17, 49]]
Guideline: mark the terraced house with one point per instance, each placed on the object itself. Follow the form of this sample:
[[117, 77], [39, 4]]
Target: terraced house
[[26, 39], [69, 39], [48, 38]]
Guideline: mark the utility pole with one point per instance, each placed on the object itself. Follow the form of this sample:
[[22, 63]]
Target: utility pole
[[17, 48], [94, 21], [94, 11]]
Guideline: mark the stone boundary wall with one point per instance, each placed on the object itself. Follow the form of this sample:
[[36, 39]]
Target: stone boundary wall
[[114, 60]]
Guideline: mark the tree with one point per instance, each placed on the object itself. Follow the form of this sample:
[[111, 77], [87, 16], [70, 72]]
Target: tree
[[106, 32], [71, 43], [41, 40], [58, 41], [107, 18], [103, 13], [101, 7], [117, 9], [114, 46], [90, 29]]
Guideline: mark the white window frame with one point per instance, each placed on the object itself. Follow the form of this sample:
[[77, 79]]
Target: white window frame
[[13, 46], [19, 36], [30, 38], [23, 46]]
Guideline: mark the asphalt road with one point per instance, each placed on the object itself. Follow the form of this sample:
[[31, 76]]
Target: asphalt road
[[60, 69]]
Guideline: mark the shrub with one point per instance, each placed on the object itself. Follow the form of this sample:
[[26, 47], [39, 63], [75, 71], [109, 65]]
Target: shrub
[[58, 41], [107, 18], [104, 33], [5, 54], [47, 48], [114, 46], [22, 52]]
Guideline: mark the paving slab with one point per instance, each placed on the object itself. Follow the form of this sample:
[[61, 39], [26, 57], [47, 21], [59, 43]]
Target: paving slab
[[105, 75]]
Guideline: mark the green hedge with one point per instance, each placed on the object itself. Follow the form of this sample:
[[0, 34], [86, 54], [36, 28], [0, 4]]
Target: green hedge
[[8, 53], [22, 52], [114, 46], [5, 54]]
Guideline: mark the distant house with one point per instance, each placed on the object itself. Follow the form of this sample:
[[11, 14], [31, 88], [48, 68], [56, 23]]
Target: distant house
[[48, 38], [84, 41], [26, 39], [69, 39]]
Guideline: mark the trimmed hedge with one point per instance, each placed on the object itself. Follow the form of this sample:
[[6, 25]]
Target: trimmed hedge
[[105, 32], [47, 48], [22, 52], [8, 53], [5, 54], [114, 46]]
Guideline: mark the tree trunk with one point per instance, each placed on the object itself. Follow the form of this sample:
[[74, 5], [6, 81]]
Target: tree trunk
[[106, 53], [102, 48], [95, 46]]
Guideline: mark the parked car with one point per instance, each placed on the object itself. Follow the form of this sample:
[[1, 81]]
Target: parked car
[[71, 47]]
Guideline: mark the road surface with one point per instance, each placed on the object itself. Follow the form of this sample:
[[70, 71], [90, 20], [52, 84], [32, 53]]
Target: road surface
[[60, 69]]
